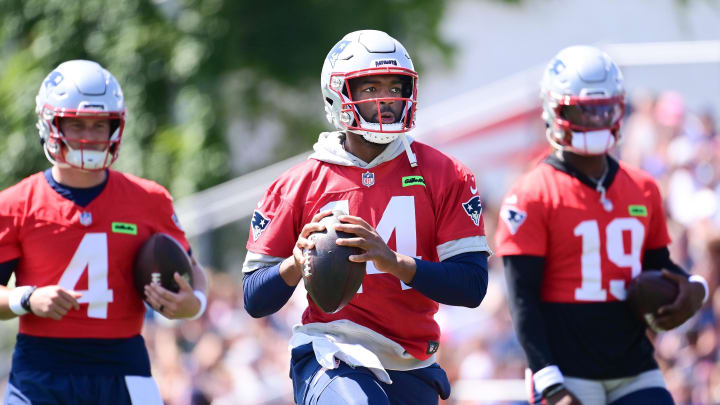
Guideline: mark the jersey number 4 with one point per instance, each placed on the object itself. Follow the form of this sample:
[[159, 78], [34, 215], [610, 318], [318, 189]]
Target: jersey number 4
[[92, 254], [591, 288]]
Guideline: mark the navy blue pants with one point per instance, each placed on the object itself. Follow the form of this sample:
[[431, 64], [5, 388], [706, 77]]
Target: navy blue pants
[[44, 388], [313, 385]]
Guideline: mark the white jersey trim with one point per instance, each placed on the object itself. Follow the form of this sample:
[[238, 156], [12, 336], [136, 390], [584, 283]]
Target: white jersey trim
[[464, 245], [254, 261]]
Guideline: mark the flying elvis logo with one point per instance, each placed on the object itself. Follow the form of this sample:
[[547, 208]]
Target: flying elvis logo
[[473, 207], [386, 62], [259, 224], [334, 54], [54, 79], [513, 217]]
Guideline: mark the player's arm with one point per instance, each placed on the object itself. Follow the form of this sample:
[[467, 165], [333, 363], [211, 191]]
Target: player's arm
[[50, 301], [459, 280], [692, 289], [524, 275], [265, 291], [268, 288], [6, 270]]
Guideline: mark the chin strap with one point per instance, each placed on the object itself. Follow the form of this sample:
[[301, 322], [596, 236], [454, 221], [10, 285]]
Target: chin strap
[[599, 187], [408, 151]]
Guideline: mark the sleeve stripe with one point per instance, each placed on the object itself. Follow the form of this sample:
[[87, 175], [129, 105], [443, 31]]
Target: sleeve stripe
[[463, 245]]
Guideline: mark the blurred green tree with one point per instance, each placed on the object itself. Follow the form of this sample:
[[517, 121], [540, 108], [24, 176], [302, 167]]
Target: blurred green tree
[[189, 70]]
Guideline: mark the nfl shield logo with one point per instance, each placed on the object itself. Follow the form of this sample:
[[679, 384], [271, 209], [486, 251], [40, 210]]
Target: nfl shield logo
[[368, 179], [86, 219]]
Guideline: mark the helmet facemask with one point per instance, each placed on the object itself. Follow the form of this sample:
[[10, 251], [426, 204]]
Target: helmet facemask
[[372, 128], [585, 125], [85, 154]]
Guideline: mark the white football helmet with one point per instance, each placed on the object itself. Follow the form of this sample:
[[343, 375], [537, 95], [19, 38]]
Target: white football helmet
[[79, 89], [366, 53], [583, 101]]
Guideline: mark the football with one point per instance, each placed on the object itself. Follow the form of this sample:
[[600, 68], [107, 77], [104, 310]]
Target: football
[[330, 278], [159, 257], [648, 292]]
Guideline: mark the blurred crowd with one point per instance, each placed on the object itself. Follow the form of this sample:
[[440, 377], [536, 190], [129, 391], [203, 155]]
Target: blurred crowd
[[226, 357], [681, 149]]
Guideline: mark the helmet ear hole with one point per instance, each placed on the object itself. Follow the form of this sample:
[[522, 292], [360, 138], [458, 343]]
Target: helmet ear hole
[[329, 100], [114, 125]]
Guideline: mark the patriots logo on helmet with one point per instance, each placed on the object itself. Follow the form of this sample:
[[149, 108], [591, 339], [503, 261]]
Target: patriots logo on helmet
[[513, 217], [473, 208], [258, 224], [53, 79], [336, 51], [558, 67]]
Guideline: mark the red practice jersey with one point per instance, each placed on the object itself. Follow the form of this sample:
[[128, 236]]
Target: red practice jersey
[[415, 210], [591, 253], [87, 249]]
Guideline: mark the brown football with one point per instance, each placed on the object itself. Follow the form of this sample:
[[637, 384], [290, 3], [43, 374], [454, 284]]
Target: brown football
[[331, 279], [648, 292], [157, 259]]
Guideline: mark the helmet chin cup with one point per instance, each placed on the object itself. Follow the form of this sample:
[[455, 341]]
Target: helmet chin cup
[[87, 159], [592, 143]]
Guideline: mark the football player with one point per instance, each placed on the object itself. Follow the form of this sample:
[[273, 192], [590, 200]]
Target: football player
[[415, 214], [70, 235], [573, 233]]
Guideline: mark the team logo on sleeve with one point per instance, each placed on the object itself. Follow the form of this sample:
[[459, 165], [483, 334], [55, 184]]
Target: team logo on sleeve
[[258, 224], [473, 208], [513, 217]]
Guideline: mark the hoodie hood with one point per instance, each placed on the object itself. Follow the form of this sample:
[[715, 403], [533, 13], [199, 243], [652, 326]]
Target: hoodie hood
[[329, 148]]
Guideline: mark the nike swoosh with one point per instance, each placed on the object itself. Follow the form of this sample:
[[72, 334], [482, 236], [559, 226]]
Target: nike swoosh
[[473, 190]]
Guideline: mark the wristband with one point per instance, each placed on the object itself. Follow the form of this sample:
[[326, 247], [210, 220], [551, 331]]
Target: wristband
[[700, 279], [19, 299], [203, 304], [552, 390], [547, 377]]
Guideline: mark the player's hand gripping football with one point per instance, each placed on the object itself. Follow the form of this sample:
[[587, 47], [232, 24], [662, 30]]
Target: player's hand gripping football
[[53, 301], [563, 397], [376, 250], [688, 301], [291, 268], [183, 304]]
